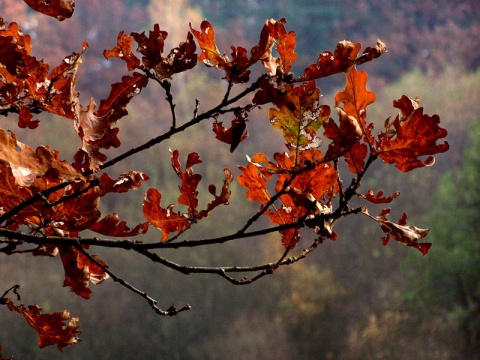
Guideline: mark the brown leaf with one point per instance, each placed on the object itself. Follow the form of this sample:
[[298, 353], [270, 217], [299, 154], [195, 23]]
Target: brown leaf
[[28, 164], [411, 137], [111, 225], [51, 328], [59, 9], [406, 235], [233, 135], [79, 271]]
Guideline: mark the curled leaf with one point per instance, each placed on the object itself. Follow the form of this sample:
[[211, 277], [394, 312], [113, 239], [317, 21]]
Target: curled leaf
[[51, 328], [410, 138], [406, 235]]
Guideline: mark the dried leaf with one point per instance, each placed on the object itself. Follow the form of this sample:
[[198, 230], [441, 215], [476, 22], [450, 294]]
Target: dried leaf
[[235, 134], [163, 218], [123, 51], [111, 225], [59, 9], [79, 271], [406, 235], [405, 141], [28, 164], [51, 328], [379, 198]]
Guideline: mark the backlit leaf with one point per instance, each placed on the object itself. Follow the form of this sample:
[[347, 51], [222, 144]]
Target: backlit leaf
[[111, 225], [408, 139], [299, 116], [164, 219]]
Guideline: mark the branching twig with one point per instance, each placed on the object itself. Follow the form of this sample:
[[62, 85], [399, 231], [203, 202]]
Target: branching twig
[[151, 301]]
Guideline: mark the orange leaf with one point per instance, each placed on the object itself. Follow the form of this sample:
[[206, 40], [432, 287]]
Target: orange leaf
[[59, 9], [51, 328], [356, 97], [163, 218], [255, 182], [210, 54], [123, 51]]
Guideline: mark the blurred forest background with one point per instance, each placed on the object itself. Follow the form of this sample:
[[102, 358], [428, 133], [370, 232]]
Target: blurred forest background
[[354, 298]]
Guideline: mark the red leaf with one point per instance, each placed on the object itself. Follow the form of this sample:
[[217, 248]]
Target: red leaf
[[190, 181], [123, 51], [125, 182], [327, 64], [25, 119], [233, 135], [51, 328], [179, 59], [379, 198], [163, 218], [344, 136], [79, 271], [222, 198], [110, 225], [408, 138], [59, 9], [120, 95], [344, 56]]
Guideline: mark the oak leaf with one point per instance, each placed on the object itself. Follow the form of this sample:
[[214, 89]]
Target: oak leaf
[[356, 97], [299, 116], [164, 219], [378, 198], [111, 225], [409, 138], [79, 271], [406, 235], [123, 51], [235, 134], [28, 164], [51, 328]]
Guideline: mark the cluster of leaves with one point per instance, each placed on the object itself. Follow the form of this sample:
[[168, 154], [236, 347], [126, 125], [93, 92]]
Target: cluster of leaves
[[48, 202]]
